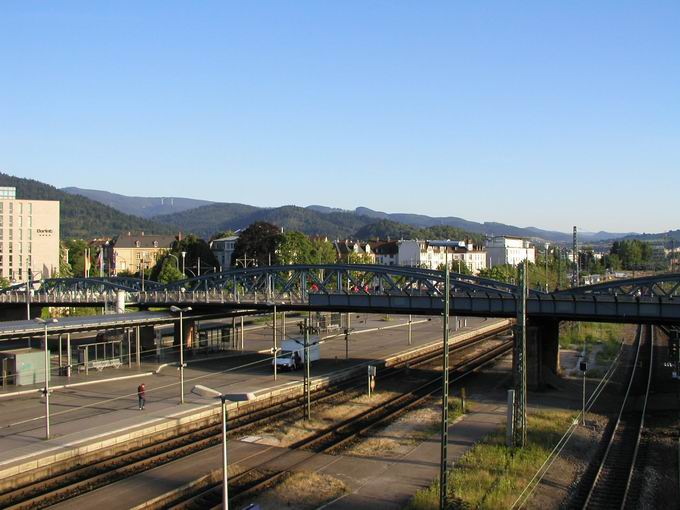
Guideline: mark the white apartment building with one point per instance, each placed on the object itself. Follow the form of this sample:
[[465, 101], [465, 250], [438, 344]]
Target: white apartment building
[[424, 254], [29, 237], [223, 248], [509, 250]]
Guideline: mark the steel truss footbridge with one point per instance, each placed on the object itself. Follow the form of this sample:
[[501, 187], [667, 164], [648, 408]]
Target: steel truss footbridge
[[374, 288]]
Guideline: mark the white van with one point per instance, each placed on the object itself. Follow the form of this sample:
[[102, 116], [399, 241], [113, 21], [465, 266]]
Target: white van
[[287, 359]]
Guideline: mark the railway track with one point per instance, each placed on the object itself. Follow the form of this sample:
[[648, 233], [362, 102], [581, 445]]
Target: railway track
[[334, 438], [77, 480], [609, 487]]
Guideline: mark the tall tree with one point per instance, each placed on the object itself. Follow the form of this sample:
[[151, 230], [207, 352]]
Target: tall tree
[[323, 252], [196, 249], [295, 248], [259, 241]]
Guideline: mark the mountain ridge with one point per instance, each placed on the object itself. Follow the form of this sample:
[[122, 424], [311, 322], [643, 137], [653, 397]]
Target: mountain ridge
[[211, 217], [80, 217]]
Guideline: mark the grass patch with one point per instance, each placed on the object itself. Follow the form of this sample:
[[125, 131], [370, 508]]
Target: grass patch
[[490, 475], [302, 491], [603, 338]]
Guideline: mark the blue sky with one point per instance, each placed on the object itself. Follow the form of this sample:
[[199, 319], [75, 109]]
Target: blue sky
[[547, 114]]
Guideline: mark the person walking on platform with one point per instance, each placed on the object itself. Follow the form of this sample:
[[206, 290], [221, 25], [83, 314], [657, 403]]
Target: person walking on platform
[[141, 394]]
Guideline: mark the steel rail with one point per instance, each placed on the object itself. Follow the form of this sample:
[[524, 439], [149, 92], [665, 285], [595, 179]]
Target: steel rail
[[616, 462], [81, 479], [339, 435]]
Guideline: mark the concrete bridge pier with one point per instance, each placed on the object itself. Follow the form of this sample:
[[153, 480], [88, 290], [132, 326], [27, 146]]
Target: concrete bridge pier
[[543, 353]]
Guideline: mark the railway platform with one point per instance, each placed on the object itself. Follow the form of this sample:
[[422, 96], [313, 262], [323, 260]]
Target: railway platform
[[92, 417]]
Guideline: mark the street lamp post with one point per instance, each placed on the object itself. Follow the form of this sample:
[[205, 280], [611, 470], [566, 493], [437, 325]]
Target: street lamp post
[[176, 309], [225, 467], [46, 391], [29, 289], [184, 256], [176, 260]]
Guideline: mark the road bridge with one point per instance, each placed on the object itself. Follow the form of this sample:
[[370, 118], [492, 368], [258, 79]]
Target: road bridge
[[379, 289], [376, 288]]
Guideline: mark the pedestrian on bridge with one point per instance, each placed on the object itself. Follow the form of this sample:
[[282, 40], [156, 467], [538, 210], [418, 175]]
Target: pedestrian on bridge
[[141, 394]]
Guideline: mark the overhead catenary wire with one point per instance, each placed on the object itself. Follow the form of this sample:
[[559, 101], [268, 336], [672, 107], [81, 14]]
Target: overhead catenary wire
[[533, 484]]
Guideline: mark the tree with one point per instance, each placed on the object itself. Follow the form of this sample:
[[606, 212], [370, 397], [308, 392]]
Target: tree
[[358, 258], [295, 248], [75, 263], [634, 254], [504, 273], [323, 252], [168, 271], [259, 241], [195, 248], [457, 266]]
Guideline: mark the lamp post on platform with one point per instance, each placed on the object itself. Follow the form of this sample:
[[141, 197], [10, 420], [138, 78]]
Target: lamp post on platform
[[181, 311], [46, 391], [225, 466]]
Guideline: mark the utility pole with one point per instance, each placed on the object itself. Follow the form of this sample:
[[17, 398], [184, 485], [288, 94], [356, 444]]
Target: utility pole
[[443, 466], [520, 363]]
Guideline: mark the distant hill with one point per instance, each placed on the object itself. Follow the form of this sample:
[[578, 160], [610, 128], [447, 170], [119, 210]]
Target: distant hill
[[206, 218], [662, 237], [209, 219], [145, 207], [486, 228], [81, 217]]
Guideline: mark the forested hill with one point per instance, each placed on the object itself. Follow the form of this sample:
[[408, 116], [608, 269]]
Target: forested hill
[[81, 217], [207, 220]]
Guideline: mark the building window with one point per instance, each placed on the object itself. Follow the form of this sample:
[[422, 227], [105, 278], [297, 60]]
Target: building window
[[30, 222], [21, 208], [137, 244], [2, 204], [30, 208], [30, 235], [30, 247], [155, 244], [11, 221], [11, 207]]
